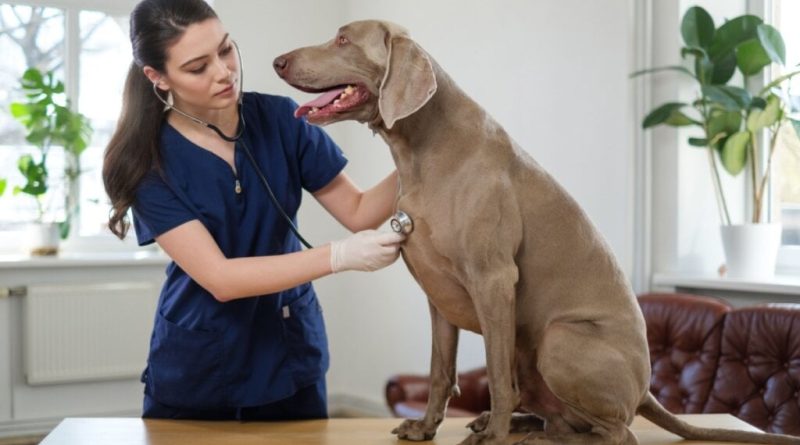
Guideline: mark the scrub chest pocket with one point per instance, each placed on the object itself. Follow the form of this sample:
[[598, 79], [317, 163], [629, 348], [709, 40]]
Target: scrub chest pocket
[[304, 331], [185, 366]]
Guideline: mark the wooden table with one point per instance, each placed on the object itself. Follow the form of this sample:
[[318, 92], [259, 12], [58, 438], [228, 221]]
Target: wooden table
[[135, 431]]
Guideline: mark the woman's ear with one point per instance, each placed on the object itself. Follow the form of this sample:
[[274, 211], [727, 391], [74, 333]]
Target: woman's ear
[[156, 78]]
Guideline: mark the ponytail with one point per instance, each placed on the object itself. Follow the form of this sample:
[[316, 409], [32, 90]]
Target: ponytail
[[134, 147]]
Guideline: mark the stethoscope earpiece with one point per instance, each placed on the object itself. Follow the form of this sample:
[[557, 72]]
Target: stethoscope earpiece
[[199, 121]]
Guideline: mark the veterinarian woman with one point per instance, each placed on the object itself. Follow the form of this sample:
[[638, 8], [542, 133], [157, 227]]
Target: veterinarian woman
[[238, 332]]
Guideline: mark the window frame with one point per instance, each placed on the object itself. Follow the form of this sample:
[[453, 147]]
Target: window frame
[[72, 52], [788, 262]]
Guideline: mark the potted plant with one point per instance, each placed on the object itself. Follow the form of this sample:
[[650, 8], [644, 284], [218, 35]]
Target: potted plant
[[737, 122], [49, 123]]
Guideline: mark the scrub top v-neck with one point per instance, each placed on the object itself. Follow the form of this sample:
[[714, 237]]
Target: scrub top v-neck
[[251, 351]]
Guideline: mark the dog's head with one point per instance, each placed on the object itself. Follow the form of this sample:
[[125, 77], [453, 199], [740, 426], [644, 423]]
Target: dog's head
[[369, 70]]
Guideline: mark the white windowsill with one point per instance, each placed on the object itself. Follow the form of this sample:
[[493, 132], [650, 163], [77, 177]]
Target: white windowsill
[[780, 284], [94, 259]]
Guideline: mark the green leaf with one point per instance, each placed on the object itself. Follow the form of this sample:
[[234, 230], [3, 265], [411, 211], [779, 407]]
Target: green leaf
[[697, 27], [680, 69], [772, 42], [698, 142], [35, 174], [19, 111], [778, 81], [32, 78], [758, 102], [730, 98], [724, 68], [732, 33], [661, 114], [751, 57], [63, 228], [758, 119], [3, 184], [23, 163], [704, 70], [724, 122], [694, 51], [678, 119], [734, 152]]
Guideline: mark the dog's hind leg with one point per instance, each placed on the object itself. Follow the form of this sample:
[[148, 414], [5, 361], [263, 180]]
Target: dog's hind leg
[[443, 383], [598, 383], [520, 423], [618, 434]]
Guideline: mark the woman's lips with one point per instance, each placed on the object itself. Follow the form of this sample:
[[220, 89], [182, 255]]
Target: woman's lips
[[225, 92]]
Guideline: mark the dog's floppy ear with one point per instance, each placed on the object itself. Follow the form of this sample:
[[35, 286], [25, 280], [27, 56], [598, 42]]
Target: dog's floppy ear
[[409, 81]]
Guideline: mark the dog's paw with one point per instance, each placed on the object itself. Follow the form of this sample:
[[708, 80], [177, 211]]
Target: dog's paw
[[479, 424], [482, 438], [415, 429]]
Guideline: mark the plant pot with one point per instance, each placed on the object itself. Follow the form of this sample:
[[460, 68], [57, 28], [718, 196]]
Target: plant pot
[[751, 249], [42, 239]]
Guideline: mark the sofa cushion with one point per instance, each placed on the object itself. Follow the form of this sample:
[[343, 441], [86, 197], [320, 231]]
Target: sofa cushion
[[407, 394], [683, 333], [758, 378]]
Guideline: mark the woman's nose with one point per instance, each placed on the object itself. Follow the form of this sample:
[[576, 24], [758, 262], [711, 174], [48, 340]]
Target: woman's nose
[[224, 71]]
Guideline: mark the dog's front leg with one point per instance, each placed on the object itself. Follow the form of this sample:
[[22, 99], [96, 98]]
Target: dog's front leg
[[443, 383], [493, 294]]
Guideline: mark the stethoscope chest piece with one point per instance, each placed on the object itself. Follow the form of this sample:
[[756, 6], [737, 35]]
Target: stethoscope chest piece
[[402, 223]]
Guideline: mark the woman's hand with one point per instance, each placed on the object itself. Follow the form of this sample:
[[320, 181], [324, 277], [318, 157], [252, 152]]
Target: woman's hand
[[367, 250]]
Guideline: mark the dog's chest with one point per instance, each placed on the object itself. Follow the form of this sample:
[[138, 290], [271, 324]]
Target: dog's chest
[[426, 255]]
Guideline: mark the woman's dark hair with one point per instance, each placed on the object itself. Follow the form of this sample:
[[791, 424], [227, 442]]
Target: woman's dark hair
[[134, 147]]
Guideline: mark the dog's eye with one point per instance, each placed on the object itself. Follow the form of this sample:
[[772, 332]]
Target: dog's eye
[[342, 40]]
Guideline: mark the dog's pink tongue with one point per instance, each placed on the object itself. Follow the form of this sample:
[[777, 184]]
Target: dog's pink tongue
[[319, 102]]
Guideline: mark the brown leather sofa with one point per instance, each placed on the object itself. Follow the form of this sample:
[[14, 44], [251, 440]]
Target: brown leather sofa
[[707, 357]]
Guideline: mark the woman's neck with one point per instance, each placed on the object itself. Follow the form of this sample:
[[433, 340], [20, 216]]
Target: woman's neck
[[226, 119]]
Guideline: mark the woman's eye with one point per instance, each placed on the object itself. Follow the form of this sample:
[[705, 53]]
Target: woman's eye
[[198, 70], [227, 50]]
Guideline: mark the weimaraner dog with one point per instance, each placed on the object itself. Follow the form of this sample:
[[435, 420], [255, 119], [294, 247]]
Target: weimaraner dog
[[500, 248]]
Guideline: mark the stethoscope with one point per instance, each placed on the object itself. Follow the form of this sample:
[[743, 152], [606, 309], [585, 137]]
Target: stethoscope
[[237, 139], [400, 222]]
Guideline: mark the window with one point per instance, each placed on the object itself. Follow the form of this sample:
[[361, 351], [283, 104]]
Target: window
[[86, 43], [786, 164]]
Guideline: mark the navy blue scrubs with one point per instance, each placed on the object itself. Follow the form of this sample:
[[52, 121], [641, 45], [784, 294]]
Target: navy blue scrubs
[[209, 357]]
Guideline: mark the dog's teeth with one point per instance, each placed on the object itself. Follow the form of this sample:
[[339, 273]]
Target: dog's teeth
[[336, 102], [349, 90], [313, 110], [342, 96]]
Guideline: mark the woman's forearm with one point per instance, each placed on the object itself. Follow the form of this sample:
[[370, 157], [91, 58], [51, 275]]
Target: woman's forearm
[[246, 277], [376, 204]]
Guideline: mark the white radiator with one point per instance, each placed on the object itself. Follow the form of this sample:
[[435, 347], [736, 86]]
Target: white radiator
[[79, 332]]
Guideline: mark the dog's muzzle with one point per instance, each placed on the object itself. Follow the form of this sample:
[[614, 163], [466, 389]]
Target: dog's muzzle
[[402, 223]]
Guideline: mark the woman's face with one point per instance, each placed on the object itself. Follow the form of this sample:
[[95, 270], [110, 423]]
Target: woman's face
[[202, 68]]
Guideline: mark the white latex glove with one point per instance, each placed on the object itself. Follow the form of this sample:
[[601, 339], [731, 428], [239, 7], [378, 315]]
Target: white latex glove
[[365, 251]]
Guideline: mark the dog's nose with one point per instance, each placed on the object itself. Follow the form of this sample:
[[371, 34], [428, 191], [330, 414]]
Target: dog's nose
[[280, 64]]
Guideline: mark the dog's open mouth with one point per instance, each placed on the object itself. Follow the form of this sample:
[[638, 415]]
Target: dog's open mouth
[[336, 100]]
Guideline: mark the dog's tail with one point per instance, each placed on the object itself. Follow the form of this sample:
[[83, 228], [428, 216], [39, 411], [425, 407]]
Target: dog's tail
[[651, 410]]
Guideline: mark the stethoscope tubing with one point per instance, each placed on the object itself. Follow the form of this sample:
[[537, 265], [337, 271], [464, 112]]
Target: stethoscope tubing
[[237, 139]]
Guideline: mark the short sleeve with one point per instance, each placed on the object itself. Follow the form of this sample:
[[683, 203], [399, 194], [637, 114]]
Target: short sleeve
[[320, 158], [157, 209]]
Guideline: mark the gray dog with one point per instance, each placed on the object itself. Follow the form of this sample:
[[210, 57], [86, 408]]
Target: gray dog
[[500, 249]]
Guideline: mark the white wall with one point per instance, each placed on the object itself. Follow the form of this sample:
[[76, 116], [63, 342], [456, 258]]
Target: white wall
[[554, 73]]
